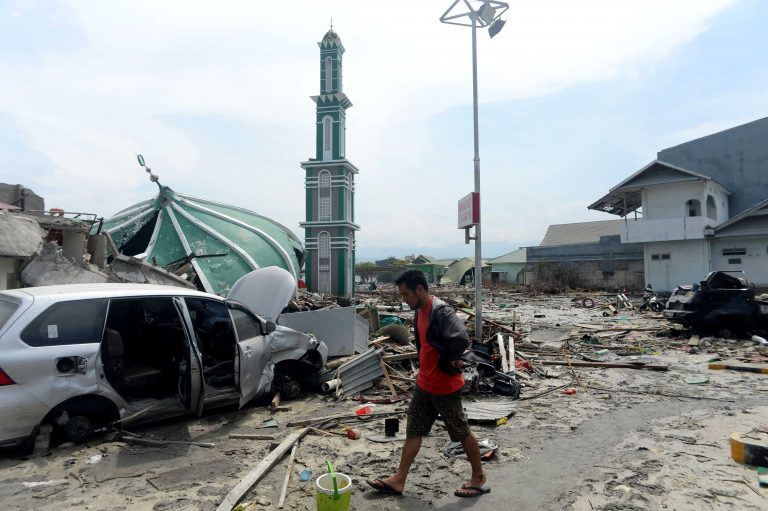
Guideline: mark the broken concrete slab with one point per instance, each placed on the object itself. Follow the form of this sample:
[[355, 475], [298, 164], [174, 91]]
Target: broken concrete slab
[[50, 268], [19, 236], [131, 269], [543, 335]]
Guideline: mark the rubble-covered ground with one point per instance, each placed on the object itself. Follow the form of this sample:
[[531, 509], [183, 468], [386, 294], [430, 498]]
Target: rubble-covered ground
[[628, 439]]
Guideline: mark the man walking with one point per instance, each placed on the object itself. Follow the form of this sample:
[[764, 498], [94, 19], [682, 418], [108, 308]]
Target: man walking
[[441, 339]]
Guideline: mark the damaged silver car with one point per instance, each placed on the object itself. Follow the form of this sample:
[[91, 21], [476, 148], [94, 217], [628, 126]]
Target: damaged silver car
[[82, 357]]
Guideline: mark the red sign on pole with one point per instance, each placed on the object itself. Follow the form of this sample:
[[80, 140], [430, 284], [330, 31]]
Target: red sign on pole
[[469, 210]]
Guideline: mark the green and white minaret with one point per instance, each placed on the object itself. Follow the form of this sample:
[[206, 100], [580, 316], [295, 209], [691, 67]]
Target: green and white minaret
[[329, 231]]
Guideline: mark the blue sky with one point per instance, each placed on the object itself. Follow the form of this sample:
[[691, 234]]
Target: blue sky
[[575, 96]]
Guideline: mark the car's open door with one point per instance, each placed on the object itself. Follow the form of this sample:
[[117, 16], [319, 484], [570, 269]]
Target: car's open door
[[253, 370], [191, 388]]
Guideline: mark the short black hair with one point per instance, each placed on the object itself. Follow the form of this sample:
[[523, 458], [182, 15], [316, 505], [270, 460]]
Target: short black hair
[[412, 279]]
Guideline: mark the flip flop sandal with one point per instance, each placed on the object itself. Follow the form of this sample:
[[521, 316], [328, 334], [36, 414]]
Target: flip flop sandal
[[383, 487], [477, 491]]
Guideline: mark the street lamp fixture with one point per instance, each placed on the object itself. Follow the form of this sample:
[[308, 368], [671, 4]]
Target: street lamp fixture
[[476, 13]]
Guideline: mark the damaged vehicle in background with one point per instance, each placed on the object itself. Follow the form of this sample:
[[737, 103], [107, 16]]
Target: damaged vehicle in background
[[82, 357], [724, 300]]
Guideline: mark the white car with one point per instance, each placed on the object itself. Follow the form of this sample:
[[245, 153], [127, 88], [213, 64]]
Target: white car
[[81, 357]]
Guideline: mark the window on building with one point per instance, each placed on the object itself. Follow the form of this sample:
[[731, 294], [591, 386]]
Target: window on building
[[327, 137], [735, 261], [665, 257], [693, 207], [342, 138], [349, 203], [324, 262], [711, 207], [734, 251], [328, 74], [324, 196], [660, 257]]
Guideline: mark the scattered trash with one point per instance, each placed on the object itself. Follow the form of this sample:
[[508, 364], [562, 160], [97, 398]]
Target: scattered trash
[[364, 410], [391, 426], [762, 477], [487, 449], [489, 410], [753, 451], [333, 491], [269, 423], [92, 460], [569, 391], [305, 475], [37, 484], [697, 379]]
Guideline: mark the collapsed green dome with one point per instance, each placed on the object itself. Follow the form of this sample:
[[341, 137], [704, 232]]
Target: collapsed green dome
[[220, 241]]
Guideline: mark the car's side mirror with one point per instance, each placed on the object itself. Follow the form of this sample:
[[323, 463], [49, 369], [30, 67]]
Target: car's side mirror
[[703, 284], [271, 327]]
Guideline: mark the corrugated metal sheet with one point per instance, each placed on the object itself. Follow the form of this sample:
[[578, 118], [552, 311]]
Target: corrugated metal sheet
[[457, 270], [360, 373], [582, 232]]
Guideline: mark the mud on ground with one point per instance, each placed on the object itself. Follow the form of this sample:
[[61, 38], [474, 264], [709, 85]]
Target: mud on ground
[[627, 440]]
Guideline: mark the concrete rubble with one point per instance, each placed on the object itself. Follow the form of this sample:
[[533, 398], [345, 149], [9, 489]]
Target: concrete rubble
[[577, 438]]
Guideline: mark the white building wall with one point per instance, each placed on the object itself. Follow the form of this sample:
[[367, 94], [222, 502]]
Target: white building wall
[[687, 263], [754, 262], [669, 201]]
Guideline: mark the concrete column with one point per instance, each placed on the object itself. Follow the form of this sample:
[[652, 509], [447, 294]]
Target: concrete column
[[74, 245], [97, 247]]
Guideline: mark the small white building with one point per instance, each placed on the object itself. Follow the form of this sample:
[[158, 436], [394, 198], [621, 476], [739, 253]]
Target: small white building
[[700, 207]]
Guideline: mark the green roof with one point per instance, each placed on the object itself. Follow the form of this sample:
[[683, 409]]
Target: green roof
[[173, 227]]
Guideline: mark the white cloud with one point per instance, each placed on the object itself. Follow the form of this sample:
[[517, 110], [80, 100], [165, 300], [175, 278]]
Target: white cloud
[[136, 70]]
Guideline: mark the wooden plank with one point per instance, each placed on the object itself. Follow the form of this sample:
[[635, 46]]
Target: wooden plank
[[281, 502], [250, 436], [512, 366], [387, 379], [378, 340], [401, 356], [275, 402], [502, 353], [237, 493], [735, 366], [317, 420], [579, 363]]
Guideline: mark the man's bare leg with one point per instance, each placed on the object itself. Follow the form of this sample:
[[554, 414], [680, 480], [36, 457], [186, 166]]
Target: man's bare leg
[[472, 450], [410, 450]]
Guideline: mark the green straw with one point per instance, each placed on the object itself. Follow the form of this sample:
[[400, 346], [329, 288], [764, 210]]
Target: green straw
[[336, 495]]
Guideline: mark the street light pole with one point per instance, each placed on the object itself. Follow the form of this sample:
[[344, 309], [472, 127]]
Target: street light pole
[[478, 243], [488, 14]]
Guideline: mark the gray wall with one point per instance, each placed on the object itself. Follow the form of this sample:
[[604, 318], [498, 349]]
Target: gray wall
[[22, 197], [736, 158], [608, 265]]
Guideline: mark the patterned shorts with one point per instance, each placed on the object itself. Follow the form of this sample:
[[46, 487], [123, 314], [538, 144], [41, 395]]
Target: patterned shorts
[[425, 408]]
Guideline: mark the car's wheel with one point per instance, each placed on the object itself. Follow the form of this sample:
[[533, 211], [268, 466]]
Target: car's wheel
[[78, 428], [290, 389]]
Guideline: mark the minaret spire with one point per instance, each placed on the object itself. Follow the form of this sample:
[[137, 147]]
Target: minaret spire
[[329, 229]]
